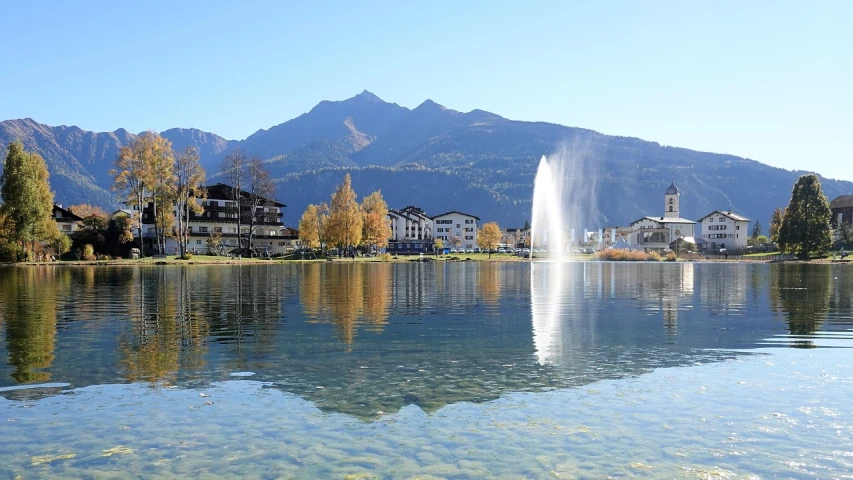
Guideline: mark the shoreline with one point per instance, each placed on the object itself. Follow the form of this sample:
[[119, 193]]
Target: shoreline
[[171, 261]]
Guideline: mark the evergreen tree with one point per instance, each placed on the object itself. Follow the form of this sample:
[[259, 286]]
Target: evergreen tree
[[805, 227]]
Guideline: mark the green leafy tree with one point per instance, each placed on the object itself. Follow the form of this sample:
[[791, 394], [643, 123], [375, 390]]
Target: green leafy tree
[[776, 223], [756, 230], [62, 244], [28, 201], [805, 229]]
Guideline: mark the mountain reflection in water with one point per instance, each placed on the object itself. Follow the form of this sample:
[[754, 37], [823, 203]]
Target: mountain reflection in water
[[359, 338]]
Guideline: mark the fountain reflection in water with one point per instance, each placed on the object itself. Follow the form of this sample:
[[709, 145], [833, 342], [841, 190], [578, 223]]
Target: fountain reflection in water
[[546, 288]]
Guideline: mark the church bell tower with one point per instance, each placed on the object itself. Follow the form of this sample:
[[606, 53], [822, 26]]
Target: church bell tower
[[671, 202]]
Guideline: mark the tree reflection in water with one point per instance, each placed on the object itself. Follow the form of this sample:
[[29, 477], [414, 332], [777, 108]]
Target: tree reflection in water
[[801, 293]]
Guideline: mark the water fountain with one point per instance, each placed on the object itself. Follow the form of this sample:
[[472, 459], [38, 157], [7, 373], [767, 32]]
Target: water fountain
[[546, 226], [563, 199]]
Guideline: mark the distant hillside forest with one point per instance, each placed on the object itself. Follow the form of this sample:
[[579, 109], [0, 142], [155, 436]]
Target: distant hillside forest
[[440, 159]]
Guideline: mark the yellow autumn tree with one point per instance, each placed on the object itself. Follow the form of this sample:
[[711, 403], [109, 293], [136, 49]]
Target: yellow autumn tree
[[345, 221], [489, 237], [376, 226], [308, 231]]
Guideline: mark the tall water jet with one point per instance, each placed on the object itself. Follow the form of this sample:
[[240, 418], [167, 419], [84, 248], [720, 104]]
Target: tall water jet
[[546, 226]]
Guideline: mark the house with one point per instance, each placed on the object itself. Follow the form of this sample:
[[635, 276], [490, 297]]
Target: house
[[725, 229], [67, 222], [657, 233], [516, 237], [456, 229], [842, 210], [219, 217], [411, 231]]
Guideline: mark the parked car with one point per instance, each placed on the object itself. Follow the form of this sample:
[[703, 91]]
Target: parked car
[[469, 250]]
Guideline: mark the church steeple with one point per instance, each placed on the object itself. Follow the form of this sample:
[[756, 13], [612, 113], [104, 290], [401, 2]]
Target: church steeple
[[671, 201]]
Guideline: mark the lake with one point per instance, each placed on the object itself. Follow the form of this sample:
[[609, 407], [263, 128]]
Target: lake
[[427, 370]]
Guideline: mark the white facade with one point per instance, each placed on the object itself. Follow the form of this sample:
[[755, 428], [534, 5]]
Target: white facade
[[66, 221], [724, 229], [410, 223], [456, 225], [658, 233], [220, 216]]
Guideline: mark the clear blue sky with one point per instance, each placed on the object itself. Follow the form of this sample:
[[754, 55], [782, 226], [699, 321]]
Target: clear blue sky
[[767, 80]]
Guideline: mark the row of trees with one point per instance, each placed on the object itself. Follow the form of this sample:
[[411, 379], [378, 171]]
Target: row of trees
[[148, 171], [27, 229], [344, 223]]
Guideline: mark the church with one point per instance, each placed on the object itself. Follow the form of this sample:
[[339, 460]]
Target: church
[[658, 233]]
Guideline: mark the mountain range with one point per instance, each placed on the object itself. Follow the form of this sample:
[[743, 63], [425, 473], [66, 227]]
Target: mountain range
[[440, 159]]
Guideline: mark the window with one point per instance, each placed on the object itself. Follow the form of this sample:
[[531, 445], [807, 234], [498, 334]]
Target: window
[[469, 229], [711, 219], [202, 229], [670, 208], [457, 225], [737, 227], [469, 237], [444, 222], [469, 221], [198, 242], [213, 203], [67, 228]]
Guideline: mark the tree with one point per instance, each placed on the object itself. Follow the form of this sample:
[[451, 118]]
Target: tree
[[455, 241], [309, 227], [94, 218], [439, 245], [776, 223], [62, 244], [756, 230], [233, 169], [10, 250], [189, 176], [345, 221], [214, 242], [375, 225], [143, 170], [259, 189], [28, 201], [845, 234], [805, 227], [489, 237]]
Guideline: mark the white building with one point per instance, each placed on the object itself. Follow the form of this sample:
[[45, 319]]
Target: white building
[[66, 221], [724, 229], [453, 225], [657, 233], [411, 231], [220, 217]]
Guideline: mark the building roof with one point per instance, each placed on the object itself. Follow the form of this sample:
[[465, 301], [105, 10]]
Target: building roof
[[730, 214], [672, 189], [221, 191], [664, 220], [844, 201], [454, 211], [66, 214]]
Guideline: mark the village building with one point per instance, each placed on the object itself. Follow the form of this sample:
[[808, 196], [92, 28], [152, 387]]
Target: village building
[[457, 229], [219, 219], [67, 222], [725, 230], [411, 231], [516, 237], [658, 233], [842, 210]]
